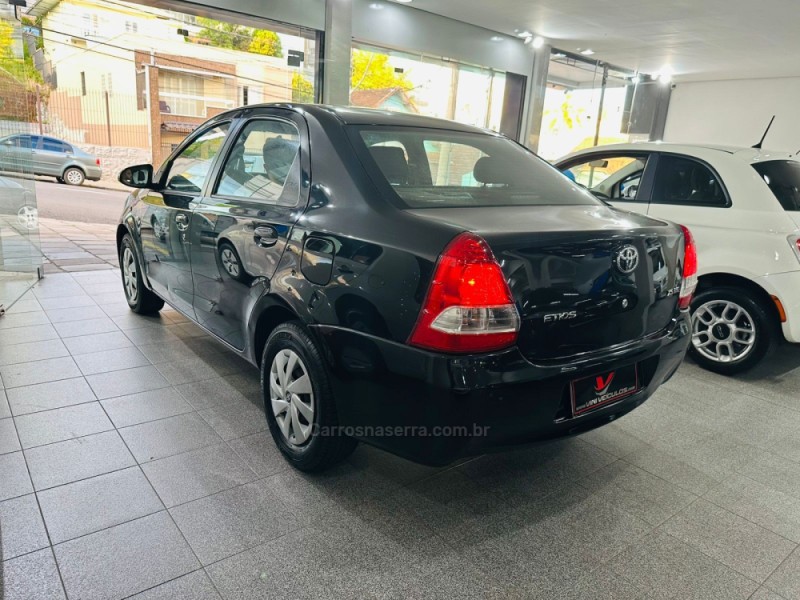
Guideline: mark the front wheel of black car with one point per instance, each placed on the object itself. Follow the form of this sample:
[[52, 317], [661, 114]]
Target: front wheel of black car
[[298, 401], [140, 299], [731, 330]]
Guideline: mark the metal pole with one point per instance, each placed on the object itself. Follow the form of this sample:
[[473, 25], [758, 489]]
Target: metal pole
[[39, 109], [108, 118], [600, 108]]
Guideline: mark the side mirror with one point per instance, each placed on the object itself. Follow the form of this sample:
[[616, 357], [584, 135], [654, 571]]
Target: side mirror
[[599, 164], [137, 176]]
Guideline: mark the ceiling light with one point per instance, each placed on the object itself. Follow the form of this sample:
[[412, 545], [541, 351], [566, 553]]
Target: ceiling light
[[496, 38], [558, 55], [523, 34], [665, 74], [538, 41], [636, 79], [587, 52], [376, 6], [403, 1]]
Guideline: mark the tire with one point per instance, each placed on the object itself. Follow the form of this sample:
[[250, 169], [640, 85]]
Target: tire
[[230, 263], [140, 299], [715, 313], [306, 450], [60, 180], [73, 176]]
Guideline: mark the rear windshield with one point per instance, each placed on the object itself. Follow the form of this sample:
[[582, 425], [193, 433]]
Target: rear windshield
[[783, 178], [434, 168]]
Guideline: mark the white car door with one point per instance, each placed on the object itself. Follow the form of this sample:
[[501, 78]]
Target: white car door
[[688, 191]]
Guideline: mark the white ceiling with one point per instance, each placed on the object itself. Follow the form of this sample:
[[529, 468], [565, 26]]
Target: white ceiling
[[698, 39]]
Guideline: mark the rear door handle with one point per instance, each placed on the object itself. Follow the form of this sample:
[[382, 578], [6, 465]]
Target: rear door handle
[[181, 221], [265, 236]]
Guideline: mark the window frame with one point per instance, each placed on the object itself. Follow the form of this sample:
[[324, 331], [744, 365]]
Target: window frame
[[707, 165], [645, 190], [234, 136], [164, 170]]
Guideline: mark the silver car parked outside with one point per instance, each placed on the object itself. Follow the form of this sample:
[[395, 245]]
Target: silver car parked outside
[[44, 155]]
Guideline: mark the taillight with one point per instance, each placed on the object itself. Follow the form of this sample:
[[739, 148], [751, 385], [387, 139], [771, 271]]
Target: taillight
[[794, 242], [468, 307], [97, 161], [689, 282]]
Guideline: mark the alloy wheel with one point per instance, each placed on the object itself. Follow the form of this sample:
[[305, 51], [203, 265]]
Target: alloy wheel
[[28, 217], [129, 275], [292, 397], [73, 177], [723, 331]]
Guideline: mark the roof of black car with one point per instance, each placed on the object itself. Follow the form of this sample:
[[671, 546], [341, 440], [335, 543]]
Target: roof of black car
[[350, 115]]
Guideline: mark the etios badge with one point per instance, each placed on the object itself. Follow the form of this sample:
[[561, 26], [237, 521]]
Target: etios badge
[[627, 259]]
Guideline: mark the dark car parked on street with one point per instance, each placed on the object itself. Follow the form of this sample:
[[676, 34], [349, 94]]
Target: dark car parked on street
[[430, 288], [44, 155]]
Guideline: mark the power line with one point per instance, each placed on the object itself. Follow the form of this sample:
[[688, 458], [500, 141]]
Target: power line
[[172, 58]]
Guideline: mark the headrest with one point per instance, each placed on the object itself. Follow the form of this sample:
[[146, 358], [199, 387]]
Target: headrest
[[392, 163], [490, 169], [279, 154]]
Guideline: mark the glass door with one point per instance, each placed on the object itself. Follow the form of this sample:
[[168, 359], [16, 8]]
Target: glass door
[[20, 92], [584, 106]]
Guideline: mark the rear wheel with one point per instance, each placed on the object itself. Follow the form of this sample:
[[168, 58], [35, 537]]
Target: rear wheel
[[74, 176], [301, 412], [732, 330], [140, 299]]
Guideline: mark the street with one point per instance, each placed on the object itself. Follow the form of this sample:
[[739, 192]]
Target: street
[[79, 203]]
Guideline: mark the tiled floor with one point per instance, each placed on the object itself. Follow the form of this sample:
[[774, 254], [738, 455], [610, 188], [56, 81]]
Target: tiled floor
[[135, 461]]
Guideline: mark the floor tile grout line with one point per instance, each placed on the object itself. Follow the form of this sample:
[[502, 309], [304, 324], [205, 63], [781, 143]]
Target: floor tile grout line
[[44, 522], [150, 483], [703, 497], [16, 387], [708, 556], [716, 559], [166, 582]]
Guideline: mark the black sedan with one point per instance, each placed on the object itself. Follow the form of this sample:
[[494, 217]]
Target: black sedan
[[427, 287]]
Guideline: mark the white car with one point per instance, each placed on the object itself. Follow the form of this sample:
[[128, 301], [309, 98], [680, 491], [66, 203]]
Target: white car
[[743, 207]]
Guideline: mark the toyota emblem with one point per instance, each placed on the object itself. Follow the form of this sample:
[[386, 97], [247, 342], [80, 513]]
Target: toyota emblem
[[627, 259]]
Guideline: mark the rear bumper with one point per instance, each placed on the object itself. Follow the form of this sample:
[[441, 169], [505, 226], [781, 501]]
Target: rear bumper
[[434, 408], [93, 173]]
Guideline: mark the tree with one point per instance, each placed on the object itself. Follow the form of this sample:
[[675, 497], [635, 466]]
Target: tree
[[267, 43], [372, 71], [22, 69], [226, 35], [302, 89]]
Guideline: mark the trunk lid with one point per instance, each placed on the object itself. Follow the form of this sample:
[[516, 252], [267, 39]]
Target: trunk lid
[[584, 278]]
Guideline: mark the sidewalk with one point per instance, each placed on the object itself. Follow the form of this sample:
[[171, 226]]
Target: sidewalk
[[71, 246]]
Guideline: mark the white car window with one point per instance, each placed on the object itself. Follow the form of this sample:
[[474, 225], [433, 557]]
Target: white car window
[[616, 177], [685, 181]]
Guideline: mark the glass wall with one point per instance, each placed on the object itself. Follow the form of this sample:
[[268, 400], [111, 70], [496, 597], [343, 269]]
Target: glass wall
[[415, 83], [134, 80], [20, 90], [585, 105]]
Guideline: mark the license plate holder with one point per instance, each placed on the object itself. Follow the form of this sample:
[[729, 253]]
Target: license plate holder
[[595, 391]]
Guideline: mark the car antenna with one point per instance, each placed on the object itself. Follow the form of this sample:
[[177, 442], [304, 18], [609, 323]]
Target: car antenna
[[763, 137]]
